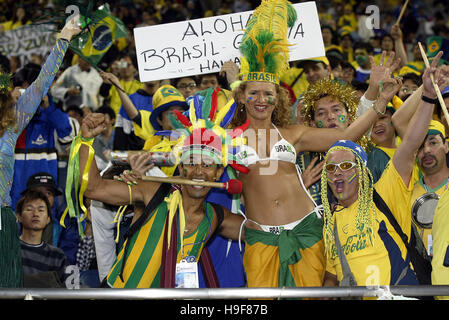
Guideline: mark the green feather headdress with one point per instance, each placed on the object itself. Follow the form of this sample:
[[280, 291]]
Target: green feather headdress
[[264, 45]]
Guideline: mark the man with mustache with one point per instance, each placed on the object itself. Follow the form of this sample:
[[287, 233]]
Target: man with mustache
[[431, 158]]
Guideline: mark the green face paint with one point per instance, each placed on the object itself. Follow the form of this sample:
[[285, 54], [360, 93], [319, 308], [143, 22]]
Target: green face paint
[[342, 118], [320, 124], [271, 100], [361, 59]]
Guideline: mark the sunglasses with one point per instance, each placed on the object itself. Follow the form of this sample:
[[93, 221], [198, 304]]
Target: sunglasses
[[344, 166]]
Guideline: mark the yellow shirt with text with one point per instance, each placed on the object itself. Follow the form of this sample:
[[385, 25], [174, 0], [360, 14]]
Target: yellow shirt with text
[[381, 262]]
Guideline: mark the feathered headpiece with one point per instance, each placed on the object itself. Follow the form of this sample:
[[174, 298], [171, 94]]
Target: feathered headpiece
[[264, 45], [204, 131]]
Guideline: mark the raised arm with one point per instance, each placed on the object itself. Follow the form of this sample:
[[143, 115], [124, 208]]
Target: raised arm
[[33, 95], [129, 106], [105, 190], [396, 34], [404, 157], [320, 139], [402, 116], [382, 88]]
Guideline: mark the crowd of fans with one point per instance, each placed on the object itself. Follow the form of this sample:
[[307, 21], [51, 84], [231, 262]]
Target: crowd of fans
[[43, 148]]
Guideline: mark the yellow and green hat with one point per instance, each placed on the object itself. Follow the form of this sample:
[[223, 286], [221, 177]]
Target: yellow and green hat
[[165, 97], [322, 59], [264, 45], [436, 127]]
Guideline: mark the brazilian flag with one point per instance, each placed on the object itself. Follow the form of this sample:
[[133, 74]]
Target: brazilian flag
[[436, 44], [105, 29]]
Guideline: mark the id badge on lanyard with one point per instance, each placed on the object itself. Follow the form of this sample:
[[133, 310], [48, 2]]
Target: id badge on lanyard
[[187, 273]]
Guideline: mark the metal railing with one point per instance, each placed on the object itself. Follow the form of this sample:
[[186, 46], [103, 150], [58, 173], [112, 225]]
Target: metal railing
[[225, 293]]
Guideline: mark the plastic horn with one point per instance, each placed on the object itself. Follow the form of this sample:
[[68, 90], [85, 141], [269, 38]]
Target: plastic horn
[[233, 186], [435, 86]]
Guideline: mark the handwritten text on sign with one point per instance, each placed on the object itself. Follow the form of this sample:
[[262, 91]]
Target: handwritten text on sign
[[201, 46], [24, 41]]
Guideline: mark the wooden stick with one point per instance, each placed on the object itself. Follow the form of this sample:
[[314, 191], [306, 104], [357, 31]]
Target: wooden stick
[[185, 181], [402, 12], [435, 86]]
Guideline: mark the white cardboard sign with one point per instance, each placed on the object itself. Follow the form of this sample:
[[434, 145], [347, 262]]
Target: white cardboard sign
[[201, 46]]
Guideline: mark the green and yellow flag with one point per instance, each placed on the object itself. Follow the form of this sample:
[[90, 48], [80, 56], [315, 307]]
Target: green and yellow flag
[[436, 44], [93, 44]]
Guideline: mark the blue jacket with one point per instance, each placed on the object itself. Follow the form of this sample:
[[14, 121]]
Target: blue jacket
[[124, 137], [35, 152], [35, 149]]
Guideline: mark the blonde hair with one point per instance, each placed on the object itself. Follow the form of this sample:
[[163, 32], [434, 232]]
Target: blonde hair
[[281, 115], [343, 93], [7, 113]]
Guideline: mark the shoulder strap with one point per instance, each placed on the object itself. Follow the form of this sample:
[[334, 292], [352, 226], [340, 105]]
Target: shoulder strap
[[348, 276], [154, 202], [422, 266], [219, 211], [149, 209], [382, 206]]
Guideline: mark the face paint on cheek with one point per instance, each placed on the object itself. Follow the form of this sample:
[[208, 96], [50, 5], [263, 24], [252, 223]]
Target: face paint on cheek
[[184, 171], [271, 100], [250, 99], [352, 178], [330, 181], [320, 124], [342, 119]]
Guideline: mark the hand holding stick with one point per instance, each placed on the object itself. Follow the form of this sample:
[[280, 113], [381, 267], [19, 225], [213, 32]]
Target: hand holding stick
[[435, 86]]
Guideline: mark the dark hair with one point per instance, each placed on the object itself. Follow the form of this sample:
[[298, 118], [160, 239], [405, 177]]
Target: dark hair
[[174, 82], [413, 77], [129, 55], [334, 61], [364, 45], [5, 65], [30, 195], [359, 86], [347, 65], [107, 110], [27, 74], [75, 109]]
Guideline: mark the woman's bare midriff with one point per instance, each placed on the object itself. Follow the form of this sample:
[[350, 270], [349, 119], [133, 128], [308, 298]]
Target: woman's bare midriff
[[273, 194]]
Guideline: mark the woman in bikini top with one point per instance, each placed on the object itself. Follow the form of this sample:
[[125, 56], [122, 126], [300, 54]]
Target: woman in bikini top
[[273, 191]]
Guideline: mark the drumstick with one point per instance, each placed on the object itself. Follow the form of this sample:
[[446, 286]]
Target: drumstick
[[233, 186], [435, 86], [402, 12]]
